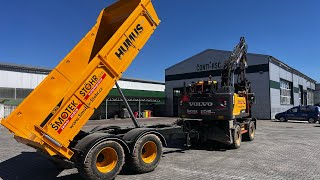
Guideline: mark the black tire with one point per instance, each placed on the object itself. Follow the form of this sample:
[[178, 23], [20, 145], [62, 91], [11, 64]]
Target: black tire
[[283, 119], [146, 154], [311, 120], [95, 165], [249, 136], [236, 136]]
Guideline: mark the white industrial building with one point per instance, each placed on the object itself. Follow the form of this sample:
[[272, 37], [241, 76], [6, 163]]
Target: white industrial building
[[276, 85], [17, 81]]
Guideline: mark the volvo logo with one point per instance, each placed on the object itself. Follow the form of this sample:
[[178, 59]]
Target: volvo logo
[[200, 103]]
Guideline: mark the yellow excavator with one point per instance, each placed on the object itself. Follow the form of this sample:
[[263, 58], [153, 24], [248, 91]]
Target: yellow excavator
[[224, 108]]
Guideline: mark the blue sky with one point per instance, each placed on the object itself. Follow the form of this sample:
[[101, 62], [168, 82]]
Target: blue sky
[[41, 33]]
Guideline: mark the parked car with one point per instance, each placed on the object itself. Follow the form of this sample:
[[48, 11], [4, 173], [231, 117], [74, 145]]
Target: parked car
[[302, 113]]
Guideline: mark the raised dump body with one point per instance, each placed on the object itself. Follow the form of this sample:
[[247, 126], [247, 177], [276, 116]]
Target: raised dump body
[[53, 114]]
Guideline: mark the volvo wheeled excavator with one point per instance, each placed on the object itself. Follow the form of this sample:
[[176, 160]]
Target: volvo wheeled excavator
[[222, 111]]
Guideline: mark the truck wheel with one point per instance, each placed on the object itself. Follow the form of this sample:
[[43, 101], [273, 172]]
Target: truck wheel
[[249, 136], [102, 161], [236, 137], [146, 154]]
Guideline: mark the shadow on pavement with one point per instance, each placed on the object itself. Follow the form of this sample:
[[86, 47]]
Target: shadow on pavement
[[127, 171], [291, 121], [31, 165], [70, 177], [207, 147], [174, 151]]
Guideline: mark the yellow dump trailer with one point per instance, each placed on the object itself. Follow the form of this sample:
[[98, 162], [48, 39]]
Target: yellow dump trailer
[[51, 117]]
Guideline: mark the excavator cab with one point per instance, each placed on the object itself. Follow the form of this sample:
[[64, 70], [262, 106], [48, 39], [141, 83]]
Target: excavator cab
[[203, 87], [207, 100]]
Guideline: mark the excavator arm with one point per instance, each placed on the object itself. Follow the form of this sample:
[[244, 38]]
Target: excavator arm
[[237, 59]]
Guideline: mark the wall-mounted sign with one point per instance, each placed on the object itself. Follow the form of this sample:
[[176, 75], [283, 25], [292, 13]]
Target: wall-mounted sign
[[209, 66]]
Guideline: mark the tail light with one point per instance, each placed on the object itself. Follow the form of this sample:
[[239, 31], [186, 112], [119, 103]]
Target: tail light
[[184, 99]]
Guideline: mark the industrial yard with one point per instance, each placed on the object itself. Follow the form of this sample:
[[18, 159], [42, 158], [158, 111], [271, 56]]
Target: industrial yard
[[89, 116]]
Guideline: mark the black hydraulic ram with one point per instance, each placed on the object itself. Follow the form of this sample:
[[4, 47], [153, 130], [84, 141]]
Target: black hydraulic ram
[[134, 120]]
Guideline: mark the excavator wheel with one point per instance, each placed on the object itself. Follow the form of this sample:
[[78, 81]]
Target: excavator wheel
[[146, 154], [103, 160], [237, 137], [249, 136]]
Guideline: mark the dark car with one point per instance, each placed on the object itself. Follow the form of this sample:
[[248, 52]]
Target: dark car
[[302, 113]]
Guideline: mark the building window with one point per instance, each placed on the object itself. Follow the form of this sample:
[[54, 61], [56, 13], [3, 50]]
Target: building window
[[310, 97], [176, 92], [286, 92], [7, 93], [22, 93]]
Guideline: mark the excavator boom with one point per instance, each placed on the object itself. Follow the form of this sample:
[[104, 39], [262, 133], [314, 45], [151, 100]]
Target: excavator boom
[[236, 59]]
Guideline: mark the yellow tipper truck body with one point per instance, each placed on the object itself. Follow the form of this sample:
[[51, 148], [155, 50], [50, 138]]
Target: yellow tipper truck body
[[53, 114]]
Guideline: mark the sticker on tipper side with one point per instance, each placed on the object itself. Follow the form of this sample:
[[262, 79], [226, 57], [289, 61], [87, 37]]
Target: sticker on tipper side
[[66, 115], [128, 42], [92, 86], [53, 112]]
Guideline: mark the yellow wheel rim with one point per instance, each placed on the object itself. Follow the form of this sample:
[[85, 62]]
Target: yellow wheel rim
[[106, 160], [149, 152]]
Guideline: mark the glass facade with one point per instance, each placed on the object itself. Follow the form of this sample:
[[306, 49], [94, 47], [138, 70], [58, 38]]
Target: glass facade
[[14, 93], [7, 93]]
